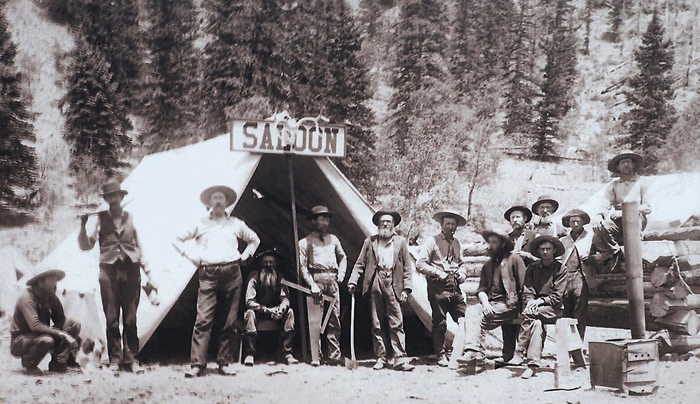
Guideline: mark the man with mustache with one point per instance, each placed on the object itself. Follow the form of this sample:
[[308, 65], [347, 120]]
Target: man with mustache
[[500, 294], [323, 265], [440, 262], [544, 208], [386, 266], [31, 333], [121, 259], [219, 266], [267, 298], [519, 216]]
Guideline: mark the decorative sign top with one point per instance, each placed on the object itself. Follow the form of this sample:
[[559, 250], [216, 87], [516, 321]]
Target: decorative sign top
[[280, 135]]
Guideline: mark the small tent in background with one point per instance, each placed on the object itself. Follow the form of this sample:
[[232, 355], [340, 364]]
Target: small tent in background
[[164, 199], [13, 266]]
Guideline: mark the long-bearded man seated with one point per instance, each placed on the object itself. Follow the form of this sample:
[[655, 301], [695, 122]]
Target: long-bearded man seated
[[267, 298]]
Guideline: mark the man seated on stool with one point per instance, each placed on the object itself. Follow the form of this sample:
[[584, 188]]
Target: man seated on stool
[[543, 289], [267, 298]]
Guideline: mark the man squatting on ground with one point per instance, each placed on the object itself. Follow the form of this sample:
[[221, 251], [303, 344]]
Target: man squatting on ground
[[323, 265], [440, 262], [542, 294], [386, 266], [121, 260], [31, 333], [500, 293], [218, 261], [267, 298]]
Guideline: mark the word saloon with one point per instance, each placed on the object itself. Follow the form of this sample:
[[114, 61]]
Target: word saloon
[[310, 140]]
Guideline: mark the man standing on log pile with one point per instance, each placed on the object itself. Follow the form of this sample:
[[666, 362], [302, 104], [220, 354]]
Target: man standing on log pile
[[607, 237], [544, 225], [440, 262], [323, 264], [542, 293], [386, 266], [579, 269], [519, 216], [500, 293]]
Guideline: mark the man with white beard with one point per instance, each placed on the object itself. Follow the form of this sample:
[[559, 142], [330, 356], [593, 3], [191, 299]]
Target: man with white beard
[[267, 298], [386, 266]]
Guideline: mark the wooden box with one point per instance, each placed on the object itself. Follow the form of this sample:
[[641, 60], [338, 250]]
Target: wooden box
[[628, 365]]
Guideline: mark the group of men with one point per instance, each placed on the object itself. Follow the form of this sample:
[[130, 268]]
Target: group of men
[[538, 272]]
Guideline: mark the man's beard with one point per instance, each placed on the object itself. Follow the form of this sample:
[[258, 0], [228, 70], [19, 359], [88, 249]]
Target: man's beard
[[268, 279], [385, 232], [497, 254], [518, 227]]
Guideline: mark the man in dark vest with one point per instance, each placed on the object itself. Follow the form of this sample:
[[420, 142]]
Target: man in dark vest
[[440, 262], [267, 298], [120, 275]]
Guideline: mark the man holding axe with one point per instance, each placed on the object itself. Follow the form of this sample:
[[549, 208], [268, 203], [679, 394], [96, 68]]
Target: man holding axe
[[120, 274]]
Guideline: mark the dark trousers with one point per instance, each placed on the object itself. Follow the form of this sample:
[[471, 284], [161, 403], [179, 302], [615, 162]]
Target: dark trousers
[[384, 304], [32, 347], [251, 318], [532, 333], [442, 302], [220, 294], [120, 286], [575, 300], [503, 316]]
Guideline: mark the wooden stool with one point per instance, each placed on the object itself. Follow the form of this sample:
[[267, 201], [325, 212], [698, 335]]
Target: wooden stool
[[263, 325]]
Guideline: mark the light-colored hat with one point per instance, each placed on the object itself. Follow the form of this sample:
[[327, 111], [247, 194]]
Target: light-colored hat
[[381, 212], [461, 221], [113, 188], [558, 246], [230, 194], [42, 273], [506, 239], [625, 154], [542, 199], [320, 210]]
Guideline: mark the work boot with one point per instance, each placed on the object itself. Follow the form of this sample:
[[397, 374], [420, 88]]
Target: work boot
[[403, 365], [134, 368], [291, 360], [195, 371], [57, 367], [33, 371], [516, 360], [380, 364], [249, 360], [315, 363], [114, 367], [442, 361], [226, 370]]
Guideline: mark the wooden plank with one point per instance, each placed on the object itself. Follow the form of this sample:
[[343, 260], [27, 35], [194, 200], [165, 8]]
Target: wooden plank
[[315, 313]]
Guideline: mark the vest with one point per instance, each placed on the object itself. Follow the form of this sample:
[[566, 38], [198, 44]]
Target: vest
[[114, 244]]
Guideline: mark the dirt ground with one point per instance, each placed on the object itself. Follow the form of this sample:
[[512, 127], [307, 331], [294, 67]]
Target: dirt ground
[[270, 383]]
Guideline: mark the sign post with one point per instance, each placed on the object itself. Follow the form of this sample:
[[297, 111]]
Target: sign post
[[281, 134]]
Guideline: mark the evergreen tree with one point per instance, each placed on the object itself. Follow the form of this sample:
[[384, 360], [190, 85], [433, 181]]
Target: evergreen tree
[[17, 159], [615, 18], [652, 116], [172, 107], [95, 120]]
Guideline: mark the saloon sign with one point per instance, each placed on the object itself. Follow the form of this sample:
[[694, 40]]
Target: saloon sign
[[305, 137]]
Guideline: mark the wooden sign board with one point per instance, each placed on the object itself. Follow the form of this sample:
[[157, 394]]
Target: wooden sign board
[[261, 137]]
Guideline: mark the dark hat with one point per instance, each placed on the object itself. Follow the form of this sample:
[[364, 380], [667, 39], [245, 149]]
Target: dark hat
[[535, 244], [542, 199], [113, 188], [488, 233], [380, 212], [230, 194], [575, 212], [272, 251], [524, 209], [461, 221], [320, 210], [625, 154], [44, 273]]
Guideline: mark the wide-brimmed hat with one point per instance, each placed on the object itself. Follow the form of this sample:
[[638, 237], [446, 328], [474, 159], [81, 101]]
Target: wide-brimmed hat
[[488, 233], [383, 211], [230, 194], [41, 273], [575, 212], [272, 251], [524, 209], [113, 188], [625, 154], [558, 246], [542, 199], [320, 210], [461, 221]]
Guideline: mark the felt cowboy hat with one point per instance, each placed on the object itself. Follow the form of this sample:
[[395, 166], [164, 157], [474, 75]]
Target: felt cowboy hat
[[272, 251], [381, 212], [575, 212], [558, 246], [542, 199], [527, 212], [461, 221], [230, 194], [625, 154], [44, 273], [320, 210], [113, 188], [503, 236]]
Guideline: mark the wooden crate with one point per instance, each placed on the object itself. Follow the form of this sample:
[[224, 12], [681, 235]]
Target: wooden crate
[[628, 365]]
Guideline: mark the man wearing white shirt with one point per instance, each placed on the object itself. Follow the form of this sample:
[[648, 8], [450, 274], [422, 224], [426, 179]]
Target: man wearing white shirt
[[218, 260]]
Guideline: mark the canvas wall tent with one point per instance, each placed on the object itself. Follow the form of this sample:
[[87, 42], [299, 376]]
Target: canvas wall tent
[[12, 266], [163, 197]]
